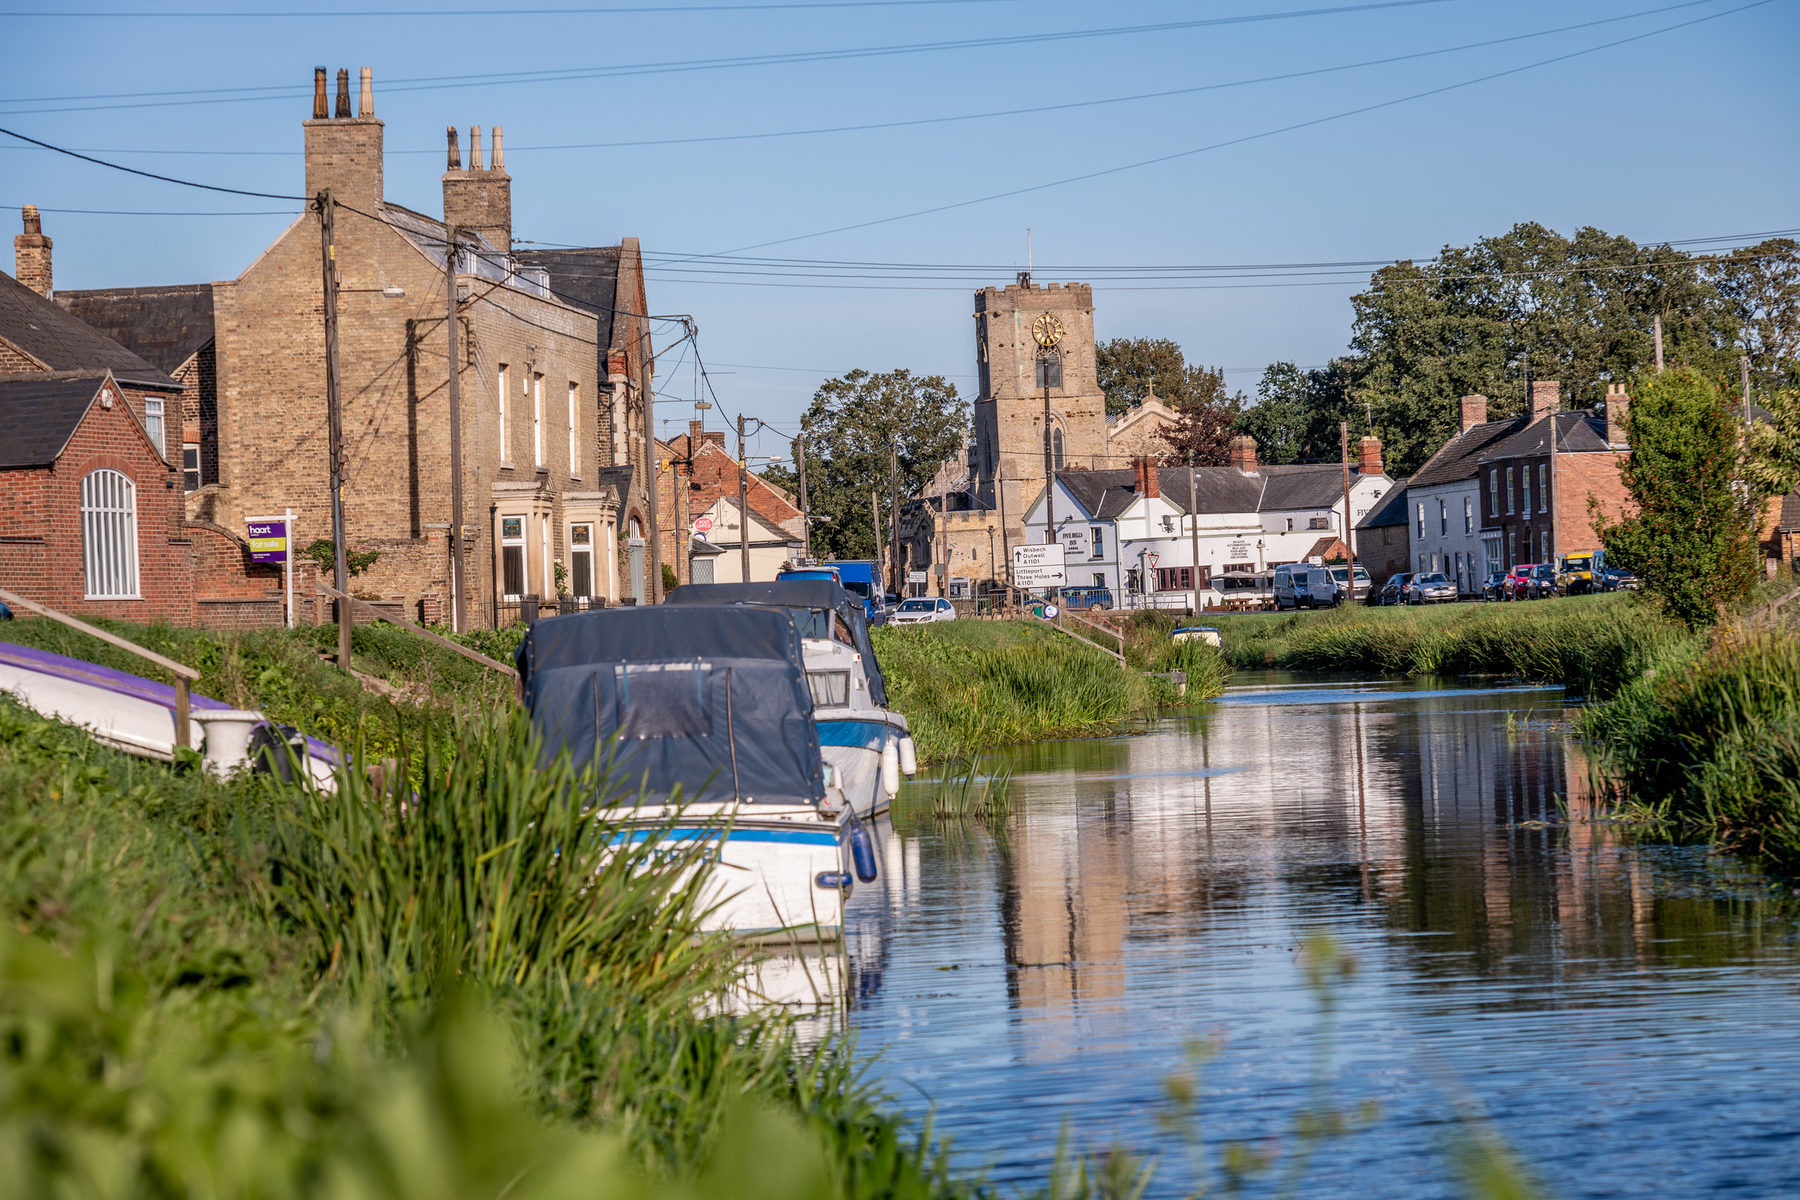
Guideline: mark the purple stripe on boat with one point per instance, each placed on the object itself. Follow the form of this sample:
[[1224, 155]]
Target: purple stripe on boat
[[77, 670]]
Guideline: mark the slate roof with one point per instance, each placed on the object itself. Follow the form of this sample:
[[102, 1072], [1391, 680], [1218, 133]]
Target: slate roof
[[587, 278], [1790, 510], [431, 235], [39, 416], [64, 343], [619, 480], [162, 325], [1105, 494], [1576, 433], [1391, 510], [1459, 459]]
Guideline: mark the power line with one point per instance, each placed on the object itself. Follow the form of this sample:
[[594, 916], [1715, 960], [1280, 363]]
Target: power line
[[784, 58], [210, 187], [603, 10], [976, 116], [1251, 137]]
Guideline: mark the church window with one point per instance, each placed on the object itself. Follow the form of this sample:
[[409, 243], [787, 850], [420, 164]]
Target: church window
[[1056, 447], [1049, 370]]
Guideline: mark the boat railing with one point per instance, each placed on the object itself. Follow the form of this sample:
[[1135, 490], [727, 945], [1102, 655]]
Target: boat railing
[[184, 675]]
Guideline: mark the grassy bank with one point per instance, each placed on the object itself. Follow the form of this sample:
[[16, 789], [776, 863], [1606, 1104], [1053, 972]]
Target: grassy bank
[[969, 685], [1591, 644]]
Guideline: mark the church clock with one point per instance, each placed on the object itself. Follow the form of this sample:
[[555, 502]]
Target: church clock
[[1047, 330]]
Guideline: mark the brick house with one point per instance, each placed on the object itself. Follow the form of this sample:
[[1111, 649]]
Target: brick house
[[1384, 536], [701, 480], [1535, 484]]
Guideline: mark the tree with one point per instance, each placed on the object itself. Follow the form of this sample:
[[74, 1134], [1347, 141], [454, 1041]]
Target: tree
[[1204, 421], [850, 426], [1296, 414], [1693, 538], [1127, 368], [1761, 284]]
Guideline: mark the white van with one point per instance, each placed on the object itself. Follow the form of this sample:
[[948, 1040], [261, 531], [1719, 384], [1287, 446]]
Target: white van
[[1299, 585]]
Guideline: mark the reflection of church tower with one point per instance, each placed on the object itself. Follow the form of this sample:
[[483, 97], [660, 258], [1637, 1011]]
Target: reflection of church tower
[[1014, 368]]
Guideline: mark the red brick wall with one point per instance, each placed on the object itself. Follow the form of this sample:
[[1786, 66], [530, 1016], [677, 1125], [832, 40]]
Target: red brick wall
[[40, 525], [14, 359], [1577, 477]]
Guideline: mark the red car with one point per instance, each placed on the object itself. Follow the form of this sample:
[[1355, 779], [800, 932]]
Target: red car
[[1517, 585]]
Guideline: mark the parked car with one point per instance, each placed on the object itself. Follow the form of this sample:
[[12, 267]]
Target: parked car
[[1298, 585], [1616, 579], [1542, 583], [1494, 586], [1433, 587], [1517, 585], [1197, 633], [1576, 574], [1394, 590], [925, 608], [1091, 598]]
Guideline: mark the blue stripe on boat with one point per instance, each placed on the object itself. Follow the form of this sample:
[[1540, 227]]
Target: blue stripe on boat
[[807, 837], [870, 734]]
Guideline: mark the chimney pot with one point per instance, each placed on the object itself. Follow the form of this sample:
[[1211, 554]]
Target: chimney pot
[[1546, 398], [453, 160], [367, 106], [1474, 412], [475, 148], [343, 92], [1369, 455], [31, 254], [321, 105], [499, 151]]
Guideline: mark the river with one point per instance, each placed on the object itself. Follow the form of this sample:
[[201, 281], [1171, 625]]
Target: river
[[1626, 1017]]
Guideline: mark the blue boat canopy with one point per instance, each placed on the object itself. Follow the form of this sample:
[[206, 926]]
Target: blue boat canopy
[[712, 700], [813, 602]]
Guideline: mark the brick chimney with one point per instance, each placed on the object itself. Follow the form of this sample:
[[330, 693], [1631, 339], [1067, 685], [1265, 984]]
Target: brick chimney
[[1546, 398], [343, 152], [1618, 410], [1474, 412], [31, 254], [479, 198], [1369, 455], [1147, 481], [1243, 453]]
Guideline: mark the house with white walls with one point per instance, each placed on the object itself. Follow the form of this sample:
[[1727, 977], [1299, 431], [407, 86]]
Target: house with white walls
[[1144, 532]]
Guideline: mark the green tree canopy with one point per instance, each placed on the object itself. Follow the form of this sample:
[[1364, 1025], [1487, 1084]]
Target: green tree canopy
[[1296, 414], [1205, 420], [1693, 538], [851, 424], [1127, 367]]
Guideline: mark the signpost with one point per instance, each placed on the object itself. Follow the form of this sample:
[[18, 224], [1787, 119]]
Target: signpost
[[1039, 566], [271, 541], [702, 527]]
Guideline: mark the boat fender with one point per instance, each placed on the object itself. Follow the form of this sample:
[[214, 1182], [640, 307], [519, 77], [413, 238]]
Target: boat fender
[[890, 768], [862, 850], [834, 881], [909, 756]]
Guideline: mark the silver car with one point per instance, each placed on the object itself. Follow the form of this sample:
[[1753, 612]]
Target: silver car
[[1433, 587], [924, 608]]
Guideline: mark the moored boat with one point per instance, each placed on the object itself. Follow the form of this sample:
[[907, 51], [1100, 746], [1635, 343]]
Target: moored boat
[[869, 743], [701, 718]]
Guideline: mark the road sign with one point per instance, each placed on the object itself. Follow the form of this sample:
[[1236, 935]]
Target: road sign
[[917, 576], [1039, 566]]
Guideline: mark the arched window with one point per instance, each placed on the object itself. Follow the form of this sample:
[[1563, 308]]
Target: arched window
[[109, 536], [1056, 446]]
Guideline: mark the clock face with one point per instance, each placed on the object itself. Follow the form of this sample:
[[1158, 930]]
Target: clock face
[[1047, 330]]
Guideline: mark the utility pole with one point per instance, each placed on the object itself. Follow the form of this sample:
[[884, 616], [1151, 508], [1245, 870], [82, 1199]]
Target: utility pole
[[334, 418], [944, 534], [894, 517], [805, 512], [1004, 574], [1349, 548], [743, 505], [1193, 530], [1744, 374], [875, 517], [652, 501], [459, 558], [1656, 325]]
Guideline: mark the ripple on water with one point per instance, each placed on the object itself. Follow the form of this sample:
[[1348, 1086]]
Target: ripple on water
[[1623, 1015]]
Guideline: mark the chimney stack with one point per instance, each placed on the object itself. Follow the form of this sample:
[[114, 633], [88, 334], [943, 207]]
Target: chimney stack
[[1243, 453], [479, 199], [1369, 455], [696, 432], [1618, 411], [1146, 481], [1474, 412], [31, 254], [1546, 398], [343, 152]]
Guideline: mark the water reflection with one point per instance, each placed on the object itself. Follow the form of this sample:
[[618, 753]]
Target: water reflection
[[1623, 1013]]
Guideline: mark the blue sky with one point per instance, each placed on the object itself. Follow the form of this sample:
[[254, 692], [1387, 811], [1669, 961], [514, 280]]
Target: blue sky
[[1685, 134]]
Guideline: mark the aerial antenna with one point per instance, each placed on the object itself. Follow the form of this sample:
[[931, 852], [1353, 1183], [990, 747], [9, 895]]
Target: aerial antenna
[[1028, 249]]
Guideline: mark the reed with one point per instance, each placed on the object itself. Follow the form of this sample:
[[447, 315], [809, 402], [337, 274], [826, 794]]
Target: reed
[[964, 793]]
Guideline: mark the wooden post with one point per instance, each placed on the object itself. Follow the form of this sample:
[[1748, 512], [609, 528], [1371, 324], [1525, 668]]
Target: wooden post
[[459, 558], [334, 413], [743, 505], [805, 512], [1349, 549]]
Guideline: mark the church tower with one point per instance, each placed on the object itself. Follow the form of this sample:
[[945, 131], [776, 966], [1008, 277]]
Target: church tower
[[1026, 338]]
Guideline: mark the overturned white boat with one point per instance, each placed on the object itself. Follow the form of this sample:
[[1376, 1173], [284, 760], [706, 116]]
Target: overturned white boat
[[868, 743], [703, 714]]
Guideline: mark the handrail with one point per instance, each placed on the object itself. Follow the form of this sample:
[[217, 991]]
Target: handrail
[[184, 675], [325, 589]]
